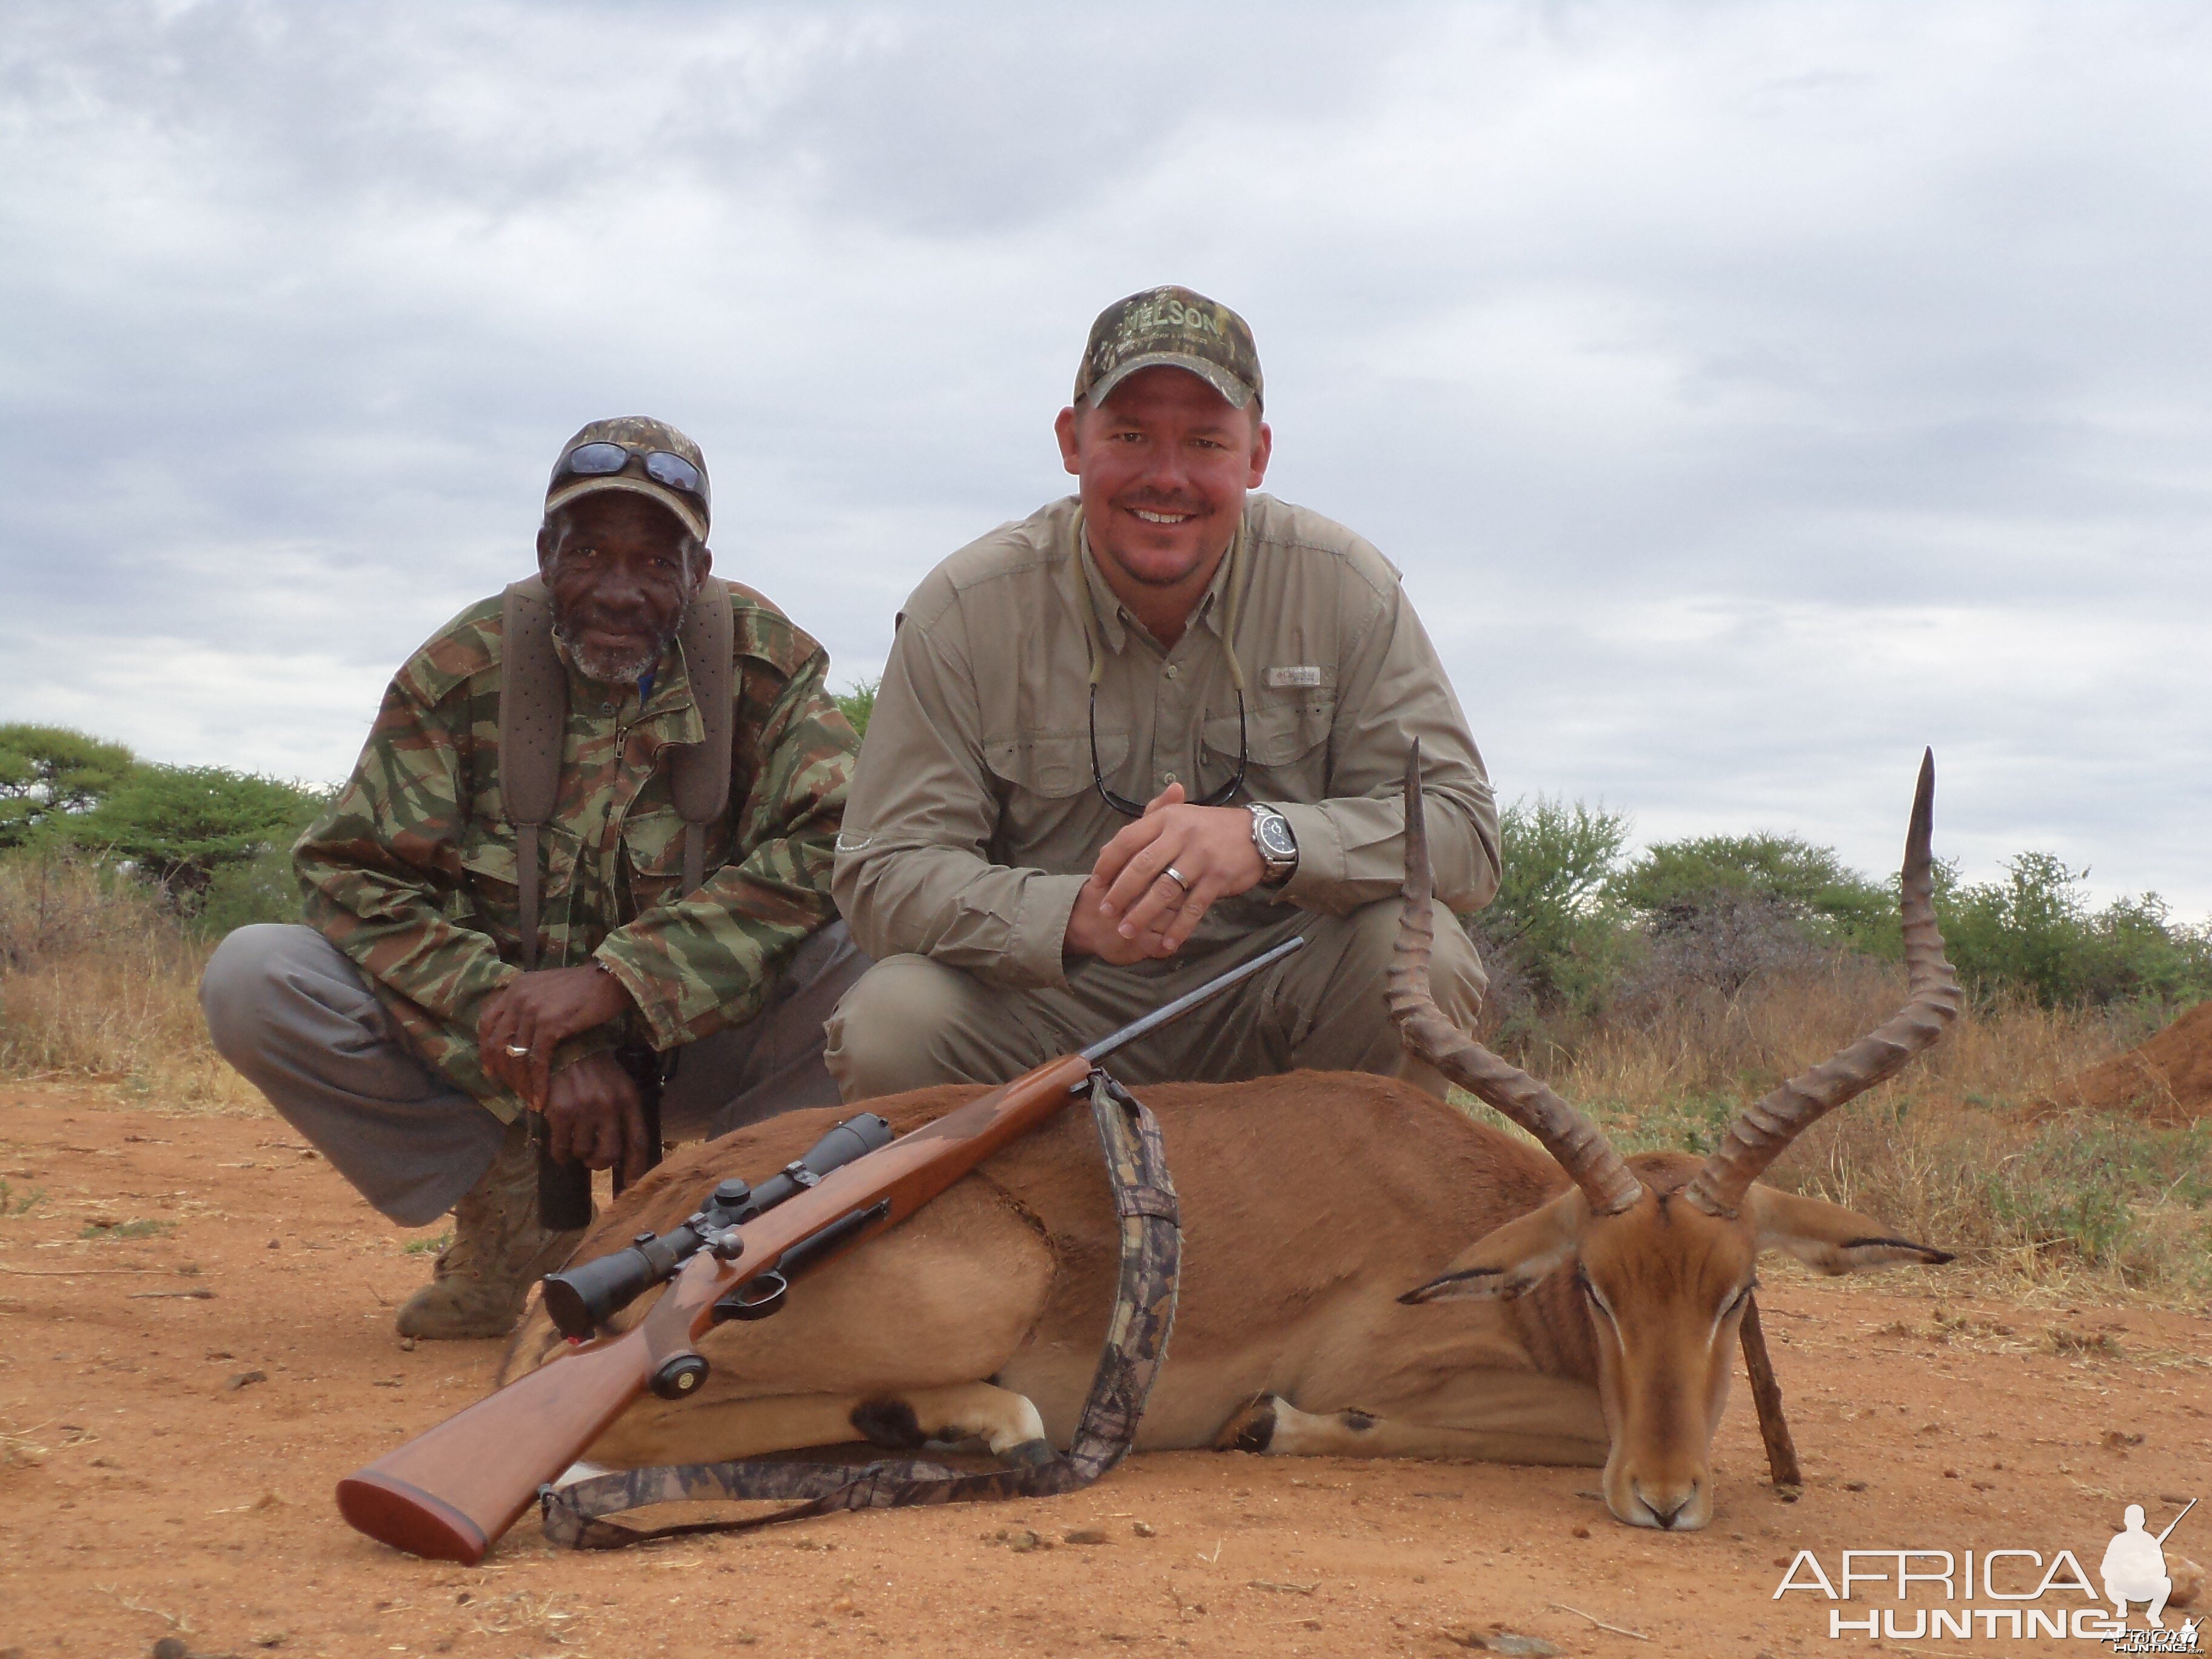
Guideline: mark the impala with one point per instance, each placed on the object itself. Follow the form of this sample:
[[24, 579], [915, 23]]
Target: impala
[[1332, 1302]]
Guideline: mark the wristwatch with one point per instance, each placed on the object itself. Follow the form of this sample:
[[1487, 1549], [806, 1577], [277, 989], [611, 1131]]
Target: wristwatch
[[1278, 847]]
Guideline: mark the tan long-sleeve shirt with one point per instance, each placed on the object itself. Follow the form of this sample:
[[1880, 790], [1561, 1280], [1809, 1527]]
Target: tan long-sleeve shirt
[[974, 821]]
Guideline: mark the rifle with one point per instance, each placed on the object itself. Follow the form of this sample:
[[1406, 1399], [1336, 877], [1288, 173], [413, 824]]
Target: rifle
[[449, 1494]]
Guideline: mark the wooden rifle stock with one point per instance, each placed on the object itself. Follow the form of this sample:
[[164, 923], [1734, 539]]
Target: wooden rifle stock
[[451, 1493]]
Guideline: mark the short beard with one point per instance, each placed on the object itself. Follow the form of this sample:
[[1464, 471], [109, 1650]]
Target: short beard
[[610, 670]]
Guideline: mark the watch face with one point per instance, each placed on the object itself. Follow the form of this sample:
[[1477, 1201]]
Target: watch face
[[1276, 841]]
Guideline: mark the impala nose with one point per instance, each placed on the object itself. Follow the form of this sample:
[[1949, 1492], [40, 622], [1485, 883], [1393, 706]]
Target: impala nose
[[1663, 1513]]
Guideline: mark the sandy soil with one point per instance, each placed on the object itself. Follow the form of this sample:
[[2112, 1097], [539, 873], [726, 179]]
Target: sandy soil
[[176, 1406]]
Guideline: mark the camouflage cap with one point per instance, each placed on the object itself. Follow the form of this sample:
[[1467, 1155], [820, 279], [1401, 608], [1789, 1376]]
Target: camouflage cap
[[642, 436], [1174, 326]]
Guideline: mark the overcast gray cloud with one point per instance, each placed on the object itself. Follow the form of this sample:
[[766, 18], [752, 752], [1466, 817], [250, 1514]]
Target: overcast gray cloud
[[1751, 394]]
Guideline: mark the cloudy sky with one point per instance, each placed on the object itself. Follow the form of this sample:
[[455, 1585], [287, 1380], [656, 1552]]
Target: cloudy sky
[[1751, 394]]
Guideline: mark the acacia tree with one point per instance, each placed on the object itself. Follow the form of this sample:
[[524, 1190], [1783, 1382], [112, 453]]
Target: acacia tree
[[181, 824], [49, 772]]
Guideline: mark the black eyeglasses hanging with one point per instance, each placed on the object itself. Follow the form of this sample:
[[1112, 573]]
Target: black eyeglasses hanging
[[1227, 792]]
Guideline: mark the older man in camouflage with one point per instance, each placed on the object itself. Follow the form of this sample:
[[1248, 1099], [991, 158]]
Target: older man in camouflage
[[407, 1032]]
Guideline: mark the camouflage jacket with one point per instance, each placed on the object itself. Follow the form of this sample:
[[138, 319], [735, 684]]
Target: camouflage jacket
[[411, 871]]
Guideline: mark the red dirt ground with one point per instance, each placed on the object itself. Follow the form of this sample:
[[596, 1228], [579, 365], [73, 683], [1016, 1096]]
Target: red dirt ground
[[145, 1492], [2167, 1080]]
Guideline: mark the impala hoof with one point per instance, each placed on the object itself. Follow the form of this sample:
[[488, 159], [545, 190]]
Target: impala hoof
[[1251, 1430]]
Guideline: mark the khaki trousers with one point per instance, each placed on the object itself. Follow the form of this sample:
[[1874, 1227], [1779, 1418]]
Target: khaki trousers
[[911, 1022]]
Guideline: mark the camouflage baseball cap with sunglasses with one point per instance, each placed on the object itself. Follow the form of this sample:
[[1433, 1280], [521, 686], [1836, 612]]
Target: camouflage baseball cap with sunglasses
[[1174, 327], [640, 456]]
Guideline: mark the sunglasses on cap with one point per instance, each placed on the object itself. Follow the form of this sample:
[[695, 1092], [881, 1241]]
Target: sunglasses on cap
[[602, 459]]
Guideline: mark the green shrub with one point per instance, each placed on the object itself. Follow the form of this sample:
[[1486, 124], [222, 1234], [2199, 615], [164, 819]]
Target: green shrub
[[2033, 931], [858, 703], [1549, 937], [263, 888]]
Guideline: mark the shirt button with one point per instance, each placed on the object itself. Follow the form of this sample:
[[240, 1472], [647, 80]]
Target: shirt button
[[1171, 671], [1167, 778]]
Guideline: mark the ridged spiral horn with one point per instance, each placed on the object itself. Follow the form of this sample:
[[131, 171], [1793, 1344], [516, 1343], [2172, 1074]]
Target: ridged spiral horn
[[1765, 1129], [1581, 1148]]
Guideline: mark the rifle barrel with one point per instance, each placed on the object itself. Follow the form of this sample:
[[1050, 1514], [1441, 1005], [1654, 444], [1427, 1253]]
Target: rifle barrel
[[1188, 1000]]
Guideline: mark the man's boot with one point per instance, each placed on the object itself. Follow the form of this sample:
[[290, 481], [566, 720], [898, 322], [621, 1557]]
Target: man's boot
[[499, 1251]]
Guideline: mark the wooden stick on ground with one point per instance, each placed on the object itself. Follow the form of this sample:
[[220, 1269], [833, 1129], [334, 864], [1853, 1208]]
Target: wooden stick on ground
[[1617, 1629], [1766, 1394]]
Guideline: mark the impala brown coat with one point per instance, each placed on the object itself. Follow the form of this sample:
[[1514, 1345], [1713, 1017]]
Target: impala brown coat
[[1291, 1279], [1323, 1310]]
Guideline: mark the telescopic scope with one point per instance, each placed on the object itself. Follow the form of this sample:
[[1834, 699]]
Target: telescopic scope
[[582, 1299]]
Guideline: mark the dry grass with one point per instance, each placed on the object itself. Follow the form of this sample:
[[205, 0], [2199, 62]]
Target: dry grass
[[98, 981], [1960, 1151]]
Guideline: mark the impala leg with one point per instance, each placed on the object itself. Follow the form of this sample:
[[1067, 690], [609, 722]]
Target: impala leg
[[1510, 1423], [1005, 1421], [718, 1431]]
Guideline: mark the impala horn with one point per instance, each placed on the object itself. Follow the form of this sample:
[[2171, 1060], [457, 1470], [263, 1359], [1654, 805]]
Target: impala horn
[[1581, 1148], [1767, 1128]]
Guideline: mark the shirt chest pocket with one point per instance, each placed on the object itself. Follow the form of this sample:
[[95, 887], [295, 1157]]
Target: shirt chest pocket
[[1047, 804], [1286, 746], [652, 854], [490, 894]]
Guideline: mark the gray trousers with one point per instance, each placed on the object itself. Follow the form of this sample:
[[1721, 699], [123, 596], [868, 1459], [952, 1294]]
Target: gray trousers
[[911, 1022], [291, 1012]]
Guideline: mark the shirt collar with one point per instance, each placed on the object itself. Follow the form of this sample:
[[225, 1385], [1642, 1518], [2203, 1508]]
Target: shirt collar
[[1116, 624], [664, 693], [671, 705]]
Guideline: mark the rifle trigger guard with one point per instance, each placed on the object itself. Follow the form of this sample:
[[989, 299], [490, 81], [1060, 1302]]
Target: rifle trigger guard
[[767, 1294]]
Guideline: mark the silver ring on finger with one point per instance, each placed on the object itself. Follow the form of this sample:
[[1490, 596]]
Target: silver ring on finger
[[517, 1050], [1178, 878]]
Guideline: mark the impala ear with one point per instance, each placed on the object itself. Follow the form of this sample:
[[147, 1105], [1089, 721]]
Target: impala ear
[[1829, 1237], [1513, 1258]]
